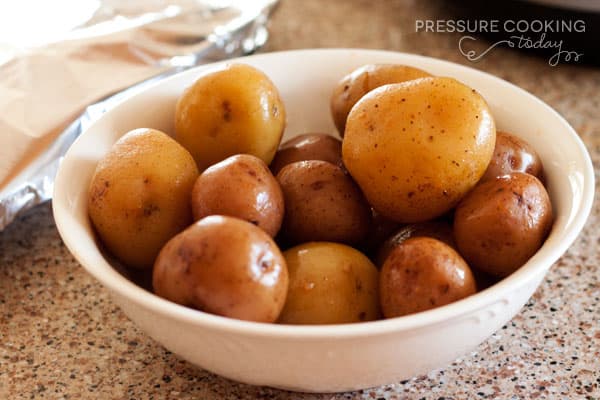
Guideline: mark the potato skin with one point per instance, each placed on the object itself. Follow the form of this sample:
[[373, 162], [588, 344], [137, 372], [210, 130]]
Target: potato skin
[[501, 223], [513, 154], [322, 203], [139, 196], [439, 229], [308, 146], [416, 148], [362, 80], [380, 230], [229, 111], [224, 266], [240, 186], [330, 283], [423, 273]]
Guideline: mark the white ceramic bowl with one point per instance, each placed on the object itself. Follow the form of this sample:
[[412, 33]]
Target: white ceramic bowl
[[335, 357]]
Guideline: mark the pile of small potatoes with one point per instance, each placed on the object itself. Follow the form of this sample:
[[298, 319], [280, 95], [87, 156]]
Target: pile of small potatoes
[[419, 204]]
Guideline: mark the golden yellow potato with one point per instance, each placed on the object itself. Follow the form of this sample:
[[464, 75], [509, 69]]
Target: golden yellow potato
[[416, 148], [233, 110], [224, 266], [422, 273], [330, 283], [140, 195], [361, 81]]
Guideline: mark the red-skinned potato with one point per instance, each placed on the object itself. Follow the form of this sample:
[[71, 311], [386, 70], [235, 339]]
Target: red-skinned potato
[[308, 146], [380, 230], [513, 154], [224, 266], [240, 186], [423, 273], [439, 229], [322, 203], [501, 223]]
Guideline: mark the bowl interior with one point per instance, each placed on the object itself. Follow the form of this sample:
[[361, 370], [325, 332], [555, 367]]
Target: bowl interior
[[305, 80]]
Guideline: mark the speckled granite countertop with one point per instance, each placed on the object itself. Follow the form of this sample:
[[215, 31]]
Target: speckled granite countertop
[[62, 337]]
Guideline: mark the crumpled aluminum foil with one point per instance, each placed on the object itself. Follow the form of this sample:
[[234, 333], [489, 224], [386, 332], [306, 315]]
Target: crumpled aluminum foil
[[233, 28]]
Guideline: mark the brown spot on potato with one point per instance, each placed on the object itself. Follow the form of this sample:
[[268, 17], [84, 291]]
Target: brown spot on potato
[[150, 209], [226, 110], [219, 265], [358, 285], [332, 209], [421, 273], [317, 185], [514, 216]]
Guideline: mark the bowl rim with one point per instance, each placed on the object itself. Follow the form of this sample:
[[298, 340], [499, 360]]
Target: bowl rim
[[120, 285]]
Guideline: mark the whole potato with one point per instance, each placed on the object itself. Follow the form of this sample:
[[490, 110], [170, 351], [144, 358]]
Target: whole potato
[[233, 110], [224, 266], [139, 196], [322, 203], [513, 154], [361, 81], [309, 146], [439, 229], [330, 283], [240, 186], [501, 223], [423, 273], [416, 148]]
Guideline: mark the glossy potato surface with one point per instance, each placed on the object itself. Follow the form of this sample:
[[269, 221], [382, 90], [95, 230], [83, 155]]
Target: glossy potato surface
[[439, 229], [240, 186], [422, 273], [501, 223], [380, 230], [234, 110], [330, 283], [322, 203], [308, 146], [224, 266], [513, 154], [140, 195], [416, 148], [359, 82]]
